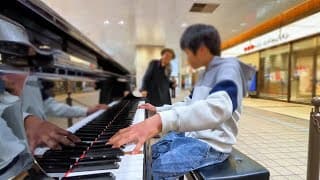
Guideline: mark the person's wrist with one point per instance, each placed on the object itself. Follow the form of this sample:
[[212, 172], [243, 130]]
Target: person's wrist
[[155, 120], [32, 121]]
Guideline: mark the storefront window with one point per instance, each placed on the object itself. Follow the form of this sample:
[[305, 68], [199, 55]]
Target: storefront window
[[273, 79], [318, 68], [302, 63]]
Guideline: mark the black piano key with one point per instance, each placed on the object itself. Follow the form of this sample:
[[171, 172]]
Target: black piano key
[[107, 133], [56, 163], [100, 176], [88, 139], [103, 138], [98, 162], [99, 146], [86, 131], [67, 151], [105, 150], [86, 167], [106, 153], [55, 160], [79, 147], [84, 161], [54, 169], [61, 156]]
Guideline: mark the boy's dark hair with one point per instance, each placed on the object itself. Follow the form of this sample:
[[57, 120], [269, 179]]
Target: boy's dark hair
[[196, 35], [168, 50]]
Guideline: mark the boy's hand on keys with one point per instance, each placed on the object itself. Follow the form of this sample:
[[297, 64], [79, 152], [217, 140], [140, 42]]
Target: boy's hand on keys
[[138, 133]]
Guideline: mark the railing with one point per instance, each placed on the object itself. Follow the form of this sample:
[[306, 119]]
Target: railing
[[69, 102], [314, 141]]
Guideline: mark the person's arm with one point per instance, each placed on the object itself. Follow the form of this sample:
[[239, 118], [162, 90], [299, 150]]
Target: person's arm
[[201, 115], [57, 109], [147, 77], [166, 107]]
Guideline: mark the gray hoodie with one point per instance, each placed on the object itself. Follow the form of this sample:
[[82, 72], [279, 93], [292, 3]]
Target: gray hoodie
[[212, 110]]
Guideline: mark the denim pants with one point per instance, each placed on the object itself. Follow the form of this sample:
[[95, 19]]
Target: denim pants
[[174, 155]]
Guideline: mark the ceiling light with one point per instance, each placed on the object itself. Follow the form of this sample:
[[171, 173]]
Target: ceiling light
[[243, 24], [184, 25], [234, 30], [106, 22], [121, 22]]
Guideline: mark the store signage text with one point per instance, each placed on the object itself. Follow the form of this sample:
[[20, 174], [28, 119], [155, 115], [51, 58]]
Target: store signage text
[[266, 42]]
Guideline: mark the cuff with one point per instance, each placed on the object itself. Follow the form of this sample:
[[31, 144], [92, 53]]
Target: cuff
[[25, 115], [165, 107], [169, 121], [159, 109]]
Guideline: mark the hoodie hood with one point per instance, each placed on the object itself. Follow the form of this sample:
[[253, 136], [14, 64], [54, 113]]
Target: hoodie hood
[[225, 67]]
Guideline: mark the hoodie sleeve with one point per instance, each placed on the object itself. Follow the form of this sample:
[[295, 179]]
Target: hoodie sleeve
[[201, 115], [56, 109]]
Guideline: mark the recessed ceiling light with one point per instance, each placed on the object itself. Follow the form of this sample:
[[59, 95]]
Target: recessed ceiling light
[[106, 22], [121, 22], [243, 24], [184, 25]]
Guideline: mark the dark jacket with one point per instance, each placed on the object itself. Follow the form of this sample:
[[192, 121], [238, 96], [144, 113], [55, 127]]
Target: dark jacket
[[157, 84]]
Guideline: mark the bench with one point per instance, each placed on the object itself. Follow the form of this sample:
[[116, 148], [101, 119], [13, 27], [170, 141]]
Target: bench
[[237, 167]]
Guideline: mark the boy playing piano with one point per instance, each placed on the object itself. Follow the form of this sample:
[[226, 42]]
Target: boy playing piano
[[207, 119]]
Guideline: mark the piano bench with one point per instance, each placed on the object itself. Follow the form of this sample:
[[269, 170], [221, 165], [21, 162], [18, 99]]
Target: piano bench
[[237, 167]]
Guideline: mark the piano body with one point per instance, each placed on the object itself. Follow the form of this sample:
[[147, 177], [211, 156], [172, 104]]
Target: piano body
[[54, 43]]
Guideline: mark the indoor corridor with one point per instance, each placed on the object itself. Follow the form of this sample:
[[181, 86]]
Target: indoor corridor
[[273, 133]]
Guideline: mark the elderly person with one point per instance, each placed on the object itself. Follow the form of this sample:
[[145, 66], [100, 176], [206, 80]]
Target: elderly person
[[156, 81]]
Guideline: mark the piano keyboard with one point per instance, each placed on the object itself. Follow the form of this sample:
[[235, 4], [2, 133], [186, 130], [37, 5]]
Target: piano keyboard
[[91, 158]]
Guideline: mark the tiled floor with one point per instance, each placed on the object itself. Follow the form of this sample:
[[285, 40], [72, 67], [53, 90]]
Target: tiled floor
[[273, 133]]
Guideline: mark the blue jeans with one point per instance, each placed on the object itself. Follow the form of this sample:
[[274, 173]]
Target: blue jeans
[[174, 155]]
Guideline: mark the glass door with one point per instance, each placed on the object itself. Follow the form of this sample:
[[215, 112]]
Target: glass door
[[273, 78], [302, 68]]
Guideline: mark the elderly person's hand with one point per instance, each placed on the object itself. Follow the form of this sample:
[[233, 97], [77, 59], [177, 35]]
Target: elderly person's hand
[[44, 133]]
